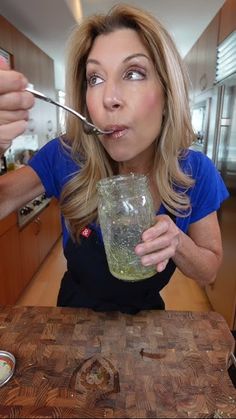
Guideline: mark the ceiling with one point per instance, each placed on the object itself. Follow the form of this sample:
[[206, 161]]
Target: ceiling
[[48, 23]]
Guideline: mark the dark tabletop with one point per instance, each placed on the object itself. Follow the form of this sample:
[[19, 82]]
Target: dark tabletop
[[74, 363]]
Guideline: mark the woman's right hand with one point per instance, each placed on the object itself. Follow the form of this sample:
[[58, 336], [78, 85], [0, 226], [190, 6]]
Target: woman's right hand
[[14, 105]]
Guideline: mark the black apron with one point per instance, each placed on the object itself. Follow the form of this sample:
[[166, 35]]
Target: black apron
[[88, 282]]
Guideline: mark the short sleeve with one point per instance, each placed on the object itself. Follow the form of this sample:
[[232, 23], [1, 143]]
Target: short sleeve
[[209, 190], [54, 166]]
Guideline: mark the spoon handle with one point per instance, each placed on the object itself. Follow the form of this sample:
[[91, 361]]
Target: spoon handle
[[89, 128], [40, 95]]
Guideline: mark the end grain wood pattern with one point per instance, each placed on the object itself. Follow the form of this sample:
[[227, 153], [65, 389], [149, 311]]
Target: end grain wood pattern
[[74, 363]]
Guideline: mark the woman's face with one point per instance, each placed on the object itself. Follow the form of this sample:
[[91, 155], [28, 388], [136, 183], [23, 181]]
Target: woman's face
[[124, 94]]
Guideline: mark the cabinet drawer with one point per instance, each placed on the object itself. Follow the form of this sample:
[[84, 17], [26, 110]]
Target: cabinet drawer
[[7, 223]]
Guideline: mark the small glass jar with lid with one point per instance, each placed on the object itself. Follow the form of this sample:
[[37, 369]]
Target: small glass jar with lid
[[125, 211]]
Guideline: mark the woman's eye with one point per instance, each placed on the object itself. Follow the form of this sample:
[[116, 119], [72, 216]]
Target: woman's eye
[[94, 79], [134, 75]]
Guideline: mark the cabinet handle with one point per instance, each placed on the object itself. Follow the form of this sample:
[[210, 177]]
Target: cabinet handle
[[203, 82], [37, 222]]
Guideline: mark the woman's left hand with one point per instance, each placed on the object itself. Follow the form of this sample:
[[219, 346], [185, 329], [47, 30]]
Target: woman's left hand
[[159, 243]]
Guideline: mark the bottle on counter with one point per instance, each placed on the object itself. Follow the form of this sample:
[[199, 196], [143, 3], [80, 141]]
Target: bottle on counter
[[10, 160]]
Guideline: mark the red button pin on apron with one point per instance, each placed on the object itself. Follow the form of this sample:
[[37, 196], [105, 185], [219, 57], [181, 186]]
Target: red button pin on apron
[[86, 232]]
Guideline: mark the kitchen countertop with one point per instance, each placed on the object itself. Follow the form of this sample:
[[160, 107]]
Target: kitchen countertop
[[76, 363]]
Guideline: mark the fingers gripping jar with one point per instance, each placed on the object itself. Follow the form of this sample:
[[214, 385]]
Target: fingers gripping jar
[[125, 210]]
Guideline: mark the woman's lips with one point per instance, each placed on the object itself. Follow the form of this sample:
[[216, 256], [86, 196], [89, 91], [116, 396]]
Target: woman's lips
[[117, 131]]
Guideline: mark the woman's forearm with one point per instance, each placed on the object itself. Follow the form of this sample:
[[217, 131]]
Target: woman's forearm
[[197, 262]]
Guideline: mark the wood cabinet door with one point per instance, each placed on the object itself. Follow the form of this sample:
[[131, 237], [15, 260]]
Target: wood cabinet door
[[56, 220], [211, 34], [227, 19], [50, 228], [201, 60], [201, 76], [45, 235], [191, 64], [37, 238], [206, 57], [29, 250], [10, 266]]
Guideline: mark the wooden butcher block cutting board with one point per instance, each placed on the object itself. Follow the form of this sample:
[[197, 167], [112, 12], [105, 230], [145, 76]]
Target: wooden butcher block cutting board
[[77, 363]]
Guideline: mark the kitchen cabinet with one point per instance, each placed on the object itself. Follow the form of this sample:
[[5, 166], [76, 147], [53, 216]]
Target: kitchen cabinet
[[29, 250], [201, 61], [227, 19], [37, 238], [49, 229], [22, 251], [10, 263], [190, 62], [38, 67], [207, 49], [222, 294]]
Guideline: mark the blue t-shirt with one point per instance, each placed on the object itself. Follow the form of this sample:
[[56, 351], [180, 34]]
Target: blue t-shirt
[[55, 168]]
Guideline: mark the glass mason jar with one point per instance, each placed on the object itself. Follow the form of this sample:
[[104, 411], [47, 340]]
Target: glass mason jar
[[125, 210]]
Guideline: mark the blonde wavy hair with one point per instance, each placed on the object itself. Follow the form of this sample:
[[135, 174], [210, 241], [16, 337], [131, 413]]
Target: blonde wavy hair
[[79, 197]]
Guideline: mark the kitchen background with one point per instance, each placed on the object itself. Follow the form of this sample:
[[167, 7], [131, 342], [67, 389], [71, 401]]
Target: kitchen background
[[33, 38]]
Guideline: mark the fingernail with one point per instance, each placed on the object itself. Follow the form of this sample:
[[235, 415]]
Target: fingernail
[[25, 81], [147, 263], [2, 59], [138, 251], [161, 267]]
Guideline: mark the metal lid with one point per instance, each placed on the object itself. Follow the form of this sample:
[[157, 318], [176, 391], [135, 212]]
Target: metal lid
[[7, 366]]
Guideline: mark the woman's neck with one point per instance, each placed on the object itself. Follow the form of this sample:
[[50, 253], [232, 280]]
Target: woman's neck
[[127, 167]]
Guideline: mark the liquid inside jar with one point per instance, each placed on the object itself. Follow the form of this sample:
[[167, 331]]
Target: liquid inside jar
[[125, 212]]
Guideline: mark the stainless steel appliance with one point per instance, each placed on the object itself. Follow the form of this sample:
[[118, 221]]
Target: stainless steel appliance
[[31, 209], [215, 117]]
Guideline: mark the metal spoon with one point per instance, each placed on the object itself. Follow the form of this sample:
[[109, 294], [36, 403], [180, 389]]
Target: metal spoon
[[89, 128]]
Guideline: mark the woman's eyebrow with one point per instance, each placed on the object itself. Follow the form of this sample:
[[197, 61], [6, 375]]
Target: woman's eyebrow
[[92, 61], [138, 54], [130, 57]]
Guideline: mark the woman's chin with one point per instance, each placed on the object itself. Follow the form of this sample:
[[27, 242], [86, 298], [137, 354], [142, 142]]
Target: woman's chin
[[119, 157]]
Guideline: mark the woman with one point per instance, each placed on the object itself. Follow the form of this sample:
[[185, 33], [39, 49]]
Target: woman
[[125, 73]]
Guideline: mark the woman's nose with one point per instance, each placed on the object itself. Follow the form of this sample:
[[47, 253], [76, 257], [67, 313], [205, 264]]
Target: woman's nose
[[112, 96]]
